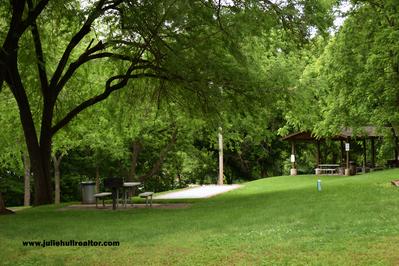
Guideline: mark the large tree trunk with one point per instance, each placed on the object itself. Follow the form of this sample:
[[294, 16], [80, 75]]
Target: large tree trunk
[[2, 204], [40, 164], [39, 153], [3, 209], [221, 165], [57, 178], [136, 149], [41, 171], [26, 179], [178, 176], [97, 179]]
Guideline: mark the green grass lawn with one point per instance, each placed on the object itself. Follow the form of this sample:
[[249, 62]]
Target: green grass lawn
[[274, 221]]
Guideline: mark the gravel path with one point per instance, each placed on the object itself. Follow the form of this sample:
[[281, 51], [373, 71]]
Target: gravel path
[[128, 206], [205, 191]]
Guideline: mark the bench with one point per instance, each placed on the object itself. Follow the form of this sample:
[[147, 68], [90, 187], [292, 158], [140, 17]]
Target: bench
[[102, 195], [147, 195], [327, 169]]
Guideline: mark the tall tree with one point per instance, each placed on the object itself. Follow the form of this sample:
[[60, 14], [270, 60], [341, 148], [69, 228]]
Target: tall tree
[[355, 80], [192, 44]]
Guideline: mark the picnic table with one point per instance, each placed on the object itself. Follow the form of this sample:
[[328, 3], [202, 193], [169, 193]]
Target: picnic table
[[128, 190], [117, 184], [327, 169]]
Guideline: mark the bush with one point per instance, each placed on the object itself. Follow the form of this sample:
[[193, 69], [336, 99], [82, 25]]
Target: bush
[[12, 187]]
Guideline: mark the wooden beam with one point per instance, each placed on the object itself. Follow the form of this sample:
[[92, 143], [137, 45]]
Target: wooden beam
[[293, 171], [347, 159], [396, 149], [372, 153], [347, 171], [342, 152], [293, 164], [221, 175], [364, 155]]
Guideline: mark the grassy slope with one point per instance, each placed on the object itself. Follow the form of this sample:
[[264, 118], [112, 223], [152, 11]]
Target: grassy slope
[[275, 221]]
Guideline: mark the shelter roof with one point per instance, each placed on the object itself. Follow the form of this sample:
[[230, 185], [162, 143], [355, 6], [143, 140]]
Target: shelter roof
[[346, 133], [304, 135]]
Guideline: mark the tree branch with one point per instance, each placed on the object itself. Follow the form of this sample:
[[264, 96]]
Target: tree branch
[[15, 30], [109, 55], [108, 90], [84, 30], [87, 56], [75, 65], [33, 14], [39, 53], [219, 19], [128, 43]]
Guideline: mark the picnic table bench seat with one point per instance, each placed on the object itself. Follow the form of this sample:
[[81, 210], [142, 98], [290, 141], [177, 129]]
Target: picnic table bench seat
[[102, 195], [148, 196], [327, 169]]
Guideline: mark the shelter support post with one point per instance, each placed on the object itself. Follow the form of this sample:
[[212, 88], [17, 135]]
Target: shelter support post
[[396, 150], [372, 153], [364, 155], [347, 170], [293, 162], [221, 175]]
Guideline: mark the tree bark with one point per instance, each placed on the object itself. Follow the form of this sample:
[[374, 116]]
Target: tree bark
[[136, 149], [97, 179], [10, 74], [26, 179], [39, 153], [2, 204], [221, 174], [178, 176], [57, 178]]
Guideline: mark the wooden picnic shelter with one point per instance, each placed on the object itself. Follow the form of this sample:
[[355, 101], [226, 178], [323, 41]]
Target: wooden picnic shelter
[[345, 136]]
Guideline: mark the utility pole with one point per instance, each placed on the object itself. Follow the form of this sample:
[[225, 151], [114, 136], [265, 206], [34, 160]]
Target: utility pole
[[220, 136], [220, 179]]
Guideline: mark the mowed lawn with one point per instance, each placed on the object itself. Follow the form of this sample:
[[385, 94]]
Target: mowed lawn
[[274, 221]]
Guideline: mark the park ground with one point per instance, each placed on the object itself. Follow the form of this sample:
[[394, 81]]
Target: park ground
[[274, 221]]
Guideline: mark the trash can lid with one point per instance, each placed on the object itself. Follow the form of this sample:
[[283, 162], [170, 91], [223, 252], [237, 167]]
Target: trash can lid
[[87, 183]]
